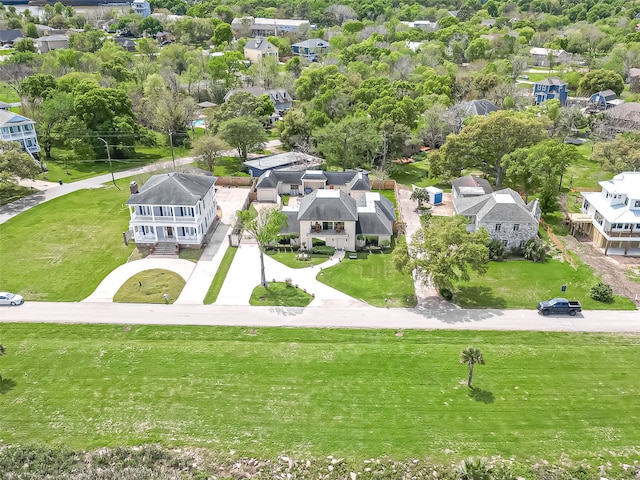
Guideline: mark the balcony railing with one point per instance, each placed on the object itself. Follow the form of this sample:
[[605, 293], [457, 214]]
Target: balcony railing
[[165, 219], [327, 231]]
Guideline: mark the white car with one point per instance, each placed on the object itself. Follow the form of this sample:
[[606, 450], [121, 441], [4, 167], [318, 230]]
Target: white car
[[7, 298]]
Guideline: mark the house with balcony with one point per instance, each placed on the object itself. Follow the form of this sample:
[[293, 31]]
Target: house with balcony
[[263, 27], [141, 7], [336, 207], [503, 213], [611, 217], [545, 57], [259, 48], [16, 128], [173, 208], [310, 49], [550, 88]]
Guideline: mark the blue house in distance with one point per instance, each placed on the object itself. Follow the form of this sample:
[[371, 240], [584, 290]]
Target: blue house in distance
[[311, 48], [550, 88]]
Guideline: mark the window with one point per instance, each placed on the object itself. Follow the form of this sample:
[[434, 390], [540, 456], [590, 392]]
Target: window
[[516, 227], [585, 204], [505, 242], [522, 243], [626, 201], [636, 204], [498, 227]]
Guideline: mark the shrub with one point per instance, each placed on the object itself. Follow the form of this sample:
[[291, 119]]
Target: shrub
[[602, 292], [517, 251], [496, 250], [535, 250], [323, 250], [446, 294], [316, 242], [385, 243]]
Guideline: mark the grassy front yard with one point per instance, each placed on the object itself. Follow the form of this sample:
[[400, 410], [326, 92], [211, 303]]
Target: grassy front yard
[[522, 284], [62, 249], [371, 278], [290, 259], [150, 286], [347, 393], [280, 295]]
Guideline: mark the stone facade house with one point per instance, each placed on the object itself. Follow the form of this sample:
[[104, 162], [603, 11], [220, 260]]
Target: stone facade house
[[503, 213]]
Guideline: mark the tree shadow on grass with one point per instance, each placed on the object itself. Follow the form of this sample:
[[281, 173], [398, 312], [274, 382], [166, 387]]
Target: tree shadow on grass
[[6, 384], [480, 395], [468, 296]]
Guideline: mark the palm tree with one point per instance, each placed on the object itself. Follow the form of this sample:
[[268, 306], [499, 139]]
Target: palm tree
[[474, 469], [471, 356]]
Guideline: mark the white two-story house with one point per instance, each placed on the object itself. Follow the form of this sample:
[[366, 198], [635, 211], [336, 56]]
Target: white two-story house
[[613, 221], [175, 208], [16, 128]]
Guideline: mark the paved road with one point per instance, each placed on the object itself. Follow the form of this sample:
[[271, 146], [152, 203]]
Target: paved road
[[443, 317]]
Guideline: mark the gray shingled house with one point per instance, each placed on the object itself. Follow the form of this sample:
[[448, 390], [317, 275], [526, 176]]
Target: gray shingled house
[[503, 213], [174, 208], [335, 207]]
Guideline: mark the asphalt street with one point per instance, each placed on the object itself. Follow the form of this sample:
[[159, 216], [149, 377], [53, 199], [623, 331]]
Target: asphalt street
[[441, 317]]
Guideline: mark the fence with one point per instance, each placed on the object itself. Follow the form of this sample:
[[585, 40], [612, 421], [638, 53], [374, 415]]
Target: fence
[[559, 244], [235, 181]]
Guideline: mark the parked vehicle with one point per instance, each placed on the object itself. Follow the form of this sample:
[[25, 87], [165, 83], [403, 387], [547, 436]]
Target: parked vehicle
[[560, 305], [7, 298]]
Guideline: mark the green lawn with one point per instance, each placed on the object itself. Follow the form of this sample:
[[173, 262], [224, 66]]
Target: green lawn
[[416, 173], [371, 278], [8, 94], [228, 166], [585, 174], [290, 259], [150, 286], [62, 249], [522, 284], [279, 295], [348, 393], [221, 274]]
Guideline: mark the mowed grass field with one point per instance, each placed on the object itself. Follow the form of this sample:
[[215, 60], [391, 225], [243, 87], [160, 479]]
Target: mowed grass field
[[61, 250], [347, 393]]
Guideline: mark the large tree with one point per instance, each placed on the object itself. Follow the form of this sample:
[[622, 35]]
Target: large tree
[[598, 80], [486, 141], [443, 252], [244, 134], [352, 142], [265, 228], [207, 149], [15, 163], [620, 154], [471, 356]]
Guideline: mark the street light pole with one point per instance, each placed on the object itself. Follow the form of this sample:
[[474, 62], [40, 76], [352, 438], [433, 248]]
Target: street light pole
[[113, 178], [173, 158]]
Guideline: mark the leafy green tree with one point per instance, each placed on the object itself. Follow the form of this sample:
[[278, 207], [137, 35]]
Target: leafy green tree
[[243, 133], [25, 45], [294, 129], [478, 49], [243, 104], [471, 357], [443, 252], [352, 142], [173, 114], [38, 87], [222, 34], [598, 80], [602, 292], [207, 149], [31, 31], [224, 13], [265, 228], [548, 198], [266, 71], [150, 25], [486, 141], [420, 196], [294, 66], [15, 162], [622, 154], [535, 250], [90, 41]]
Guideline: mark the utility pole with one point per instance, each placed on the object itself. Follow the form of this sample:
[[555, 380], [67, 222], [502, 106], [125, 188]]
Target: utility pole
[[113, 178], [173, 158]]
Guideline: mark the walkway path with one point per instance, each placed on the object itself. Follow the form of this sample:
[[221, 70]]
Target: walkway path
[[426, 295], [244, 276]]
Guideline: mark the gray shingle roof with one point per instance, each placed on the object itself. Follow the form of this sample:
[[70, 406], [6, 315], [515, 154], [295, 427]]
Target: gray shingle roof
[[356, 180], [261, 44], [314, 175], [7, 36], [311, 43], [360, 182], [173, 189], [502, 206], [471, 185], [293, 224], [479, 107], [552, 81], [328, 205], [373, 223]]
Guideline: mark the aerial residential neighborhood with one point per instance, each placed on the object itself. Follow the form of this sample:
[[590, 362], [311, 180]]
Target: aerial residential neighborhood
[[316, 240]]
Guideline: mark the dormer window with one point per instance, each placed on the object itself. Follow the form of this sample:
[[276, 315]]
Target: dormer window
[[636, 204]]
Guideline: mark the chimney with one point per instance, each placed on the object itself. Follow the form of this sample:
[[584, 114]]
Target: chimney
[[133, 188]]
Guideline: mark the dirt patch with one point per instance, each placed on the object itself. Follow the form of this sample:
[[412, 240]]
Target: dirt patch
[[613, 269]]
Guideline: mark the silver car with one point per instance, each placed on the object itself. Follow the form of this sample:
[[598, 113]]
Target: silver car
[[7, 298]]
